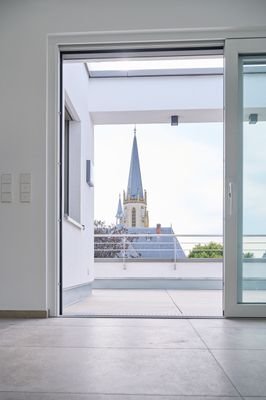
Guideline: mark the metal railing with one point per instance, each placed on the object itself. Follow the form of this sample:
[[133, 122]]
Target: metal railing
[[172, 247]]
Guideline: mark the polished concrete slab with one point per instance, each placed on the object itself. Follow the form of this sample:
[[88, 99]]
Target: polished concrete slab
[[141, 302], [132, 359], [73, 396], [232, 336], [114, 371], [246, 368], [178, 335], [198, 302]]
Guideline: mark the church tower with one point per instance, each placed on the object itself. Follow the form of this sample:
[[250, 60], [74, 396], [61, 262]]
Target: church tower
[[135, 200]]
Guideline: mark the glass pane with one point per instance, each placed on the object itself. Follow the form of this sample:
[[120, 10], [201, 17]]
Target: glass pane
[[252, 268]]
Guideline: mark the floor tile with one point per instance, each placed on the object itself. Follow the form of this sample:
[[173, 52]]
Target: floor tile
[[198, 302], [149, 302], [119, 371], [245, 368], [243, 323], [4, 322], [73, 396], [179, 335], [4, 325], [255, 398], [125, 302], [232, 337], [103, 322]]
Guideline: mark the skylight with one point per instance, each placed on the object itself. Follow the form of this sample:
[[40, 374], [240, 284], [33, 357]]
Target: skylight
[[166, 64], [156, 67]]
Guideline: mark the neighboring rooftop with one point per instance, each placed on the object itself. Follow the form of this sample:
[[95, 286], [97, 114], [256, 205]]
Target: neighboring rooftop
[[154, 247]]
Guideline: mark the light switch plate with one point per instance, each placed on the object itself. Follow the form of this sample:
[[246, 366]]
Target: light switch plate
[[25, 197], [25, 187], [6, 188], [6, 178], [25, 178], [6, 197]]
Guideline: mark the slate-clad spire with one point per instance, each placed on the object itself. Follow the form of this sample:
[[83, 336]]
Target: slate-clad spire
[[119, 214], [134, 187]]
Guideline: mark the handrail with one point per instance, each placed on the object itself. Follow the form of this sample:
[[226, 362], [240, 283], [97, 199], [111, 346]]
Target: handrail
[[154, 235], [170, 234], [126, 248]]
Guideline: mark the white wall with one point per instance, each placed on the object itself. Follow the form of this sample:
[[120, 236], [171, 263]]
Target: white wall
[[189, 269], [78, 256], [24, 29], [197, 270]]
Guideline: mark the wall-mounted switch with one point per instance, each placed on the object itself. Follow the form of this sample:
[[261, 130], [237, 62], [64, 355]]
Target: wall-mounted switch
[[25, 178], [25, 188], [6, 188], [25, 197], [6, 197], [6, 178]]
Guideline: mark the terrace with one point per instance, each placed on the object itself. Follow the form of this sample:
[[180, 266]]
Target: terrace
[[153, 275]]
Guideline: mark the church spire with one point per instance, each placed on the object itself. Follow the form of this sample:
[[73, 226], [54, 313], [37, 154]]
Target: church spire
[[119, 214], [134, 187], [135, 199]]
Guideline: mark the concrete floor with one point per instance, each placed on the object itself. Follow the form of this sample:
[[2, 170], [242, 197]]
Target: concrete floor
[[141, 302], [132, 359]]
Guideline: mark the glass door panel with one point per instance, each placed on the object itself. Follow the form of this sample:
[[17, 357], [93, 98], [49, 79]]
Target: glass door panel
[[252, 274], [245, 178]]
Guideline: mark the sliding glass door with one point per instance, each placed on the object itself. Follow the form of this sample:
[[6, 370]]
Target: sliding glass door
[[245, 178]]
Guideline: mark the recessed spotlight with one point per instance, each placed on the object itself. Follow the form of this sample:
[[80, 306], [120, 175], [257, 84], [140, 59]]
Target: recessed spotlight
[[253, 118], [174, 120]]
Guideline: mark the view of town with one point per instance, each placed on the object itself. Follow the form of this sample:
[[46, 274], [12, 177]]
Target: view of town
[[131, 229]]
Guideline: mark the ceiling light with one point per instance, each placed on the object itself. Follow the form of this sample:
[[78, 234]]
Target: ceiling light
[[174, 120], [253, 118]]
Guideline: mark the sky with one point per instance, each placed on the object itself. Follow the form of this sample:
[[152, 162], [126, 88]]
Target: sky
[[254, 178], [182, 172]]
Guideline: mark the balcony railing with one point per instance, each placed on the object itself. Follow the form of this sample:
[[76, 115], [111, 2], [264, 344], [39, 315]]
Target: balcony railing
[[171, 247], [162, 261]]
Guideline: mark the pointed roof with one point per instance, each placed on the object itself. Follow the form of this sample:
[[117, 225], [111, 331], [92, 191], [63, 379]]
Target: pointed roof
[[134, 187], [119, 213], [148, 247]]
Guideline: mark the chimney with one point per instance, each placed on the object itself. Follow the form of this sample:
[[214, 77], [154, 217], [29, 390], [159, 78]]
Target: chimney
[[158, 229]]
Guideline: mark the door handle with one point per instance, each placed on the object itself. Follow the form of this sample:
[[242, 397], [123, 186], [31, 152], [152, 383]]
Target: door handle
[[230, 198]]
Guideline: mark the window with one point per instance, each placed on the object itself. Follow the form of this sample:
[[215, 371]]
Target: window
[[72, 167], [133, 217], [66, 163]]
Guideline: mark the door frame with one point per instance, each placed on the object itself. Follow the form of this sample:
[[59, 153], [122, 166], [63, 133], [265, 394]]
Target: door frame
[[56, 44], [233, 180]]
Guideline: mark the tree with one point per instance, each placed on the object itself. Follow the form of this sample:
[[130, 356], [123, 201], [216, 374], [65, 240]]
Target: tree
[[209, 250], [248, 255], [110, 246]]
